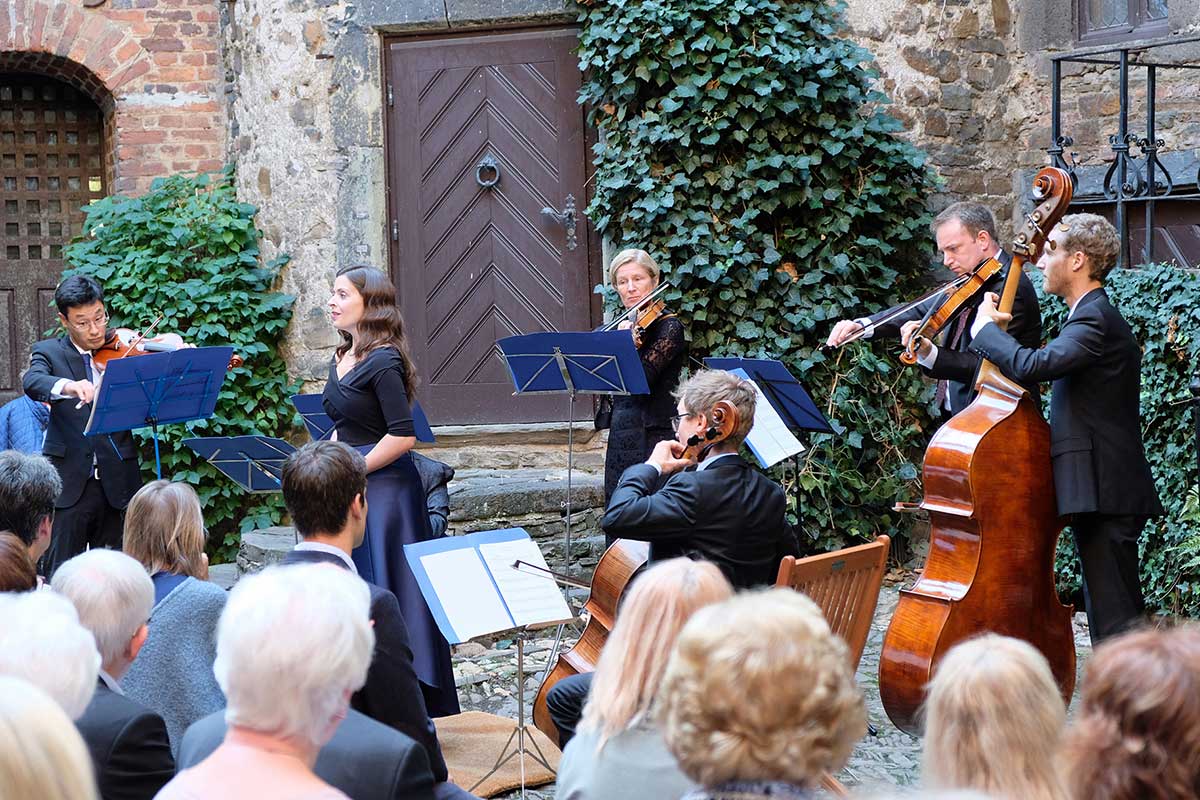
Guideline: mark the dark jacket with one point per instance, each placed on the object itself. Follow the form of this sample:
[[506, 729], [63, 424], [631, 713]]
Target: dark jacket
[[128, 744], [392, 694], [365, 759], [728, 513], [1095, 424], [959, 365], [67, 448]]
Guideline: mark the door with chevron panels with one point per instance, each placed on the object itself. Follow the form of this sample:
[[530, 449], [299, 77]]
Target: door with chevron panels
[[484, 132]]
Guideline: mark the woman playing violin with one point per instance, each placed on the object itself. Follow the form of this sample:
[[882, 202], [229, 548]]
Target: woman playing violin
[[641, 421]]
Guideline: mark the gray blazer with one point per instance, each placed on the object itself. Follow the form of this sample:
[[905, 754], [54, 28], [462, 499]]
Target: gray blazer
[[633, 765]]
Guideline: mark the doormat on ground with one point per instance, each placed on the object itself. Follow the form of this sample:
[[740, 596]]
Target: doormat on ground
[[471, 743]]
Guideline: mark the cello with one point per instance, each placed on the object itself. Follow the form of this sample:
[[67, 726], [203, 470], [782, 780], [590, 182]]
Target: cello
[[994, 524]]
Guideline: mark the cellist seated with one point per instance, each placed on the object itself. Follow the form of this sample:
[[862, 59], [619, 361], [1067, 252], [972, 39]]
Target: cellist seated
[[712, 505]]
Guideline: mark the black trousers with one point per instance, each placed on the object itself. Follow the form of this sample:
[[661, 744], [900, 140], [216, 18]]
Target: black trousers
[[565, 702], [1108, 552], [91, 522]]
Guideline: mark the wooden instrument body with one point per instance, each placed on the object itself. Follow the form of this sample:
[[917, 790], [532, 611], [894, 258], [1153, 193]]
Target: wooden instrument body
[[994, 528], [951, 307], [612, 576]]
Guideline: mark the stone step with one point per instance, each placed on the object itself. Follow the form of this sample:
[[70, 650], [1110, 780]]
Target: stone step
[[522, 446]]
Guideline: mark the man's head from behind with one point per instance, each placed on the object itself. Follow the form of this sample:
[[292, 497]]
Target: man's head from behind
[[324, 487], [42, 641], [29, 485], [698, 397], [113, 595]]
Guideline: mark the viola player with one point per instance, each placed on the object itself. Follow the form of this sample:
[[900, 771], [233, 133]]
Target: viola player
[[99, 473]]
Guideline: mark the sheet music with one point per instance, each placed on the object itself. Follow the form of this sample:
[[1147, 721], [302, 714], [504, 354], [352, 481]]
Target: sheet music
[[531, 598], [465, 590], [769, 438]]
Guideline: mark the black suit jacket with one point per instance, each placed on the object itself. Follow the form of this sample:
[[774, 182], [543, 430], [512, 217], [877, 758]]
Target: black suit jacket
[[129, 746], [960, 365], [391, 694], [1095, 424], [365, 759], [728, 513], [67, 448]]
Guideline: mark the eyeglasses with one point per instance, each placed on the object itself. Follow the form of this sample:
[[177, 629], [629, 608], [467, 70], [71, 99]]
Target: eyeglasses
[[676, 419], [99, 322]]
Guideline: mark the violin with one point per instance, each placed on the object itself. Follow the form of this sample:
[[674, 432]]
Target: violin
[[125, 343], [940, 315], [647, 311], [723, 421]]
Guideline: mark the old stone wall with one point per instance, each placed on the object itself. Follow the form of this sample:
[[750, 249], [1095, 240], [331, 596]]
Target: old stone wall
[[970, 80], [153, 66]]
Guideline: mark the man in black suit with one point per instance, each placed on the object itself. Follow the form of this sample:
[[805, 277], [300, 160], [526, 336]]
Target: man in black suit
[[365, 759], [1101, 478], [99, 473], [324, 486], [128, 742], [966, 236], [723, 510]]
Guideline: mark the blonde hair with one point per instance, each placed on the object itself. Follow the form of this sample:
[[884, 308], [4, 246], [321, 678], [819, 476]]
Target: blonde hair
[[43, 757], [164, 529], [1096, 238], [704, 389], [993, 721], [632, 662], [634, 256], [758, 688]]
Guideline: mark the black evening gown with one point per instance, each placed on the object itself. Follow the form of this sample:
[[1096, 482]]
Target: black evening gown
[[369, 402], [640, 421]]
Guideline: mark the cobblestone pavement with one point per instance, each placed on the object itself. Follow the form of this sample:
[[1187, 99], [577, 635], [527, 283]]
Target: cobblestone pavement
[[486, 681]]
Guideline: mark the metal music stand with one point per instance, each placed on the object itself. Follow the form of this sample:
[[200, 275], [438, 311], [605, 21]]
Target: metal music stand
[[573, 363], [320, 426], [158, 389], [253, 462]]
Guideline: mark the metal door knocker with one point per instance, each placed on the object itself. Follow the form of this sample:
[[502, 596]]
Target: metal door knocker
[[487, 172]]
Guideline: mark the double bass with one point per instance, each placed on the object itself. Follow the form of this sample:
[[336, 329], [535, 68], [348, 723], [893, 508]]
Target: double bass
[[994, 524]]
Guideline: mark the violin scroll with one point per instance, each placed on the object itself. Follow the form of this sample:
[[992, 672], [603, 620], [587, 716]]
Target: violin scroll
[[723, 420]]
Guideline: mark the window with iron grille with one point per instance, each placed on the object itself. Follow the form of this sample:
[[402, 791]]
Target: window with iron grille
[[1103, 21]]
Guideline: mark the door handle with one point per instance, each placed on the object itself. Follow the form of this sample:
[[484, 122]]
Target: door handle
[[566, 218]]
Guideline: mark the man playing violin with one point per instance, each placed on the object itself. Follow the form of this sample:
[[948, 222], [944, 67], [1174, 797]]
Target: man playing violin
[[99, 473], [966, 236], [720, 509]]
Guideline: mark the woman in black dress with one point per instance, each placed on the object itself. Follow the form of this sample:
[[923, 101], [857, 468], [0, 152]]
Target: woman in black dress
[[368, 396], [641, 421]]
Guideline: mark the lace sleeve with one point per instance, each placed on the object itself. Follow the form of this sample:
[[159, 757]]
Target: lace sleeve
[[662, 348]]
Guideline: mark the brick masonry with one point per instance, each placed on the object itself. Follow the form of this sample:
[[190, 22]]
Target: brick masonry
[[153, 66]]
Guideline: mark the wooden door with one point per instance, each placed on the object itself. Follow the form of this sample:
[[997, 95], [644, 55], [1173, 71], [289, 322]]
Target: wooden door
[[483, 133], [50, 167]]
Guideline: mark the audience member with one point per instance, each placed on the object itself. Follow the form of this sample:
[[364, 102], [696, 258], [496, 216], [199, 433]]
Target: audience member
[[619, 751], [43, 757], [29, 485], [758, 699], [164, 531], [324, 487], [293, 644], [435, 480], [23, 422], [1136, 735], [17, 571], [113, 595], [994, 720], [41, 641]]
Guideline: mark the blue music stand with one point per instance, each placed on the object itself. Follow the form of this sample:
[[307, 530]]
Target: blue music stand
[[320, 426], [158, 389], [603, 362], [253, 462]]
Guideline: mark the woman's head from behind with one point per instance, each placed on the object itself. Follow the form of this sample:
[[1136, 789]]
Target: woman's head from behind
[[43, 757], [1137, 733], [164, 529], [17, 571], [993, 720], [759, 689], [652, 613]]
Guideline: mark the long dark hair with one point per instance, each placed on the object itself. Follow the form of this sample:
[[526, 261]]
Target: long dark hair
[[381, 324]]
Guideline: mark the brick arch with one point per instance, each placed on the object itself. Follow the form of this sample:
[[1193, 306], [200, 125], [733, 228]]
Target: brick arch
[[68, 32]]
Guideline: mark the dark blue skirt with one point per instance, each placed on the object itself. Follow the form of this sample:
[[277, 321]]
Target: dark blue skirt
[[396, 516]]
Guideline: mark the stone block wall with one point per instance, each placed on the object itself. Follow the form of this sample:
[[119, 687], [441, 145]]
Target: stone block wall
[[970, 80], [154, 67]]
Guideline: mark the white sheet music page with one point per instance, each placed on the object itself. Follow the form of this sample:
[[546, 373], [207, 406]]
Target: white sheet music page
[[531, 598], [769, 438], [468, 597]]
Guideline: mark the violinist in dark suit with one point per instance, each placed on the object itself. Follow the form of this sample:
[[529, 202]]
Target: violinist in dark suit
[[966, 237], [1101, 477], [722, 509], [99, 473]]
